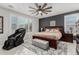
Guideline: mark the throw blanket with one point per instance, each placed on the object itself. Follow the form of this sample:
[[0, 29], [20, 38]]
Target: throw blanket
[[51, 35]]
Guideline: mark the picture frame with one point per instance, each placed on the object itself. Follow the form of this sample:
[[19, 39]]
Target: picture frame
[[1, 24], [52, 23]]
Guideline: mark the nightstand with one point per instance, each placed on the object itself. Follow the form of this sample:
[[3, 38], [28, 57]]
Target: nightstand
[[68, 37]]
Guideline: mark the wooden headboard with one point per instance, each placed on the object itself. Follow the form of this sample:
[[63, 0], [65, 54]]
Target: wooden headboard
[[52, 27]]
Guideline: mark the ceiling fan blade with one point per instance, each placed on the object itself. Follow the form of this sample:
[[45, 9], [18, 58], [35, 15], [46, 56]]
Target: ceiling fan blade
[[36, 5], [32, 8], [45, 4], [48, 11], [45, 12], [48, 8]]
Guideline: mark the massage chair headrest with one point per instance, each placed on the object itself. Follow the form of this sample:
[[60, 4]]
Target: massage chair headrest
[[20, 30]]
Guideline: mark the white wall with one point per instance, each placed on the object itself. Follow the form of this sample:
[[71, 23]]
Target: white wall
[[7, 23], [35, 25]]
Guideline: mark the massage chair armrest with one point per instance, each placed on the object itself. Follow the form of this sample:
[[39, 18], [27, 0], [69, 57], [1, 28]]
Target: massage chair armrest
[[19, 37]]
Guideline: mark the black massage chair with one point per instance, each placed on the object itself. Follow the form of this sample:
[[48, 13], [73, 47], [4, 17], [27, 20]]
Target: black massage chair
[[15, 39]]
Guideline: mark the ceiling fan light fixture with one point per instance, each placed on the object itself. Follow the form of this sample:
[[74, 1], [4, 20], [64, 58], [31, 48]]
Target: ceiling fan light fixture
[[40, 12]]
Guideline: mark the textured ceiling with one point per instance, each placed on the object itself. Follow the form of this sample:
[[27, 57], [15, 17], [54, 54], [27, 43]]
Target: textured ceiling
[[58, 8]]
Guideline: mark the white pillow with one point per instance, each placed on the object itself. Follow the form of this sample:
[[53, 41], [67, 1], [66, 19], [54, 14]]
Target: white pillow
[[47, 30]]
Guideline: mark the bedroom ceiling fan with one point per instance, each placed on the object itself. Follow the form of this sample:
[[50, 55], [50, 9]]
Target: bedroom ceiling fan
[[40, 9]]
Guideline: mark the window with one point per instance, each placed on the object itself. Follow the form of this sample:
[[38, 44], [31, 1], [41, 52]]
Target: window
[[70, 23], [21, 22]]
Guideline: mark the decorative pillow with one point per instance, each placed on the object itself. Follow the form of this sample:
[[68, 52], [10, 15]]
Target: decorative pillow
[[47, 30], [54, 30], [57, 29], [51, 30]]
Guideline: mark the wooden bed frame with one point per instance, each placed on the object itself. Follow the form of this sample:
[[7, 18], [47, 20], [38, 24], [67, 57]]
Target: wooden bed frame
[[53, 42]]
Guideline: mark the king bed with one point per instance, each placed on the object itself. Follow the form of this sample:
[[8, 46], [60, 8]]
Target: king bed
[[53, 34]]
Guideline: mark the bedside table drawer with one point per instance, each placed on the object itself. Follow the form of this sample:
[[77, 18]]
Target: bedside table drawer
[[68, 38]]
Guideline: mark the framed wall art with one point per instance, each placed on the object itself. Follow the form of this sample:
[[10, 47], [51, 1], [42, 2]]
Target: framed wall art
[[1, 24], [52, 23]]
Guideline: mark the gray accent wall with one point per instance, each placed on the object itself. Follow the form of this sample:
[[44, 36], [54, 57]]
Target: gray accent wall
[[43, 22]]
